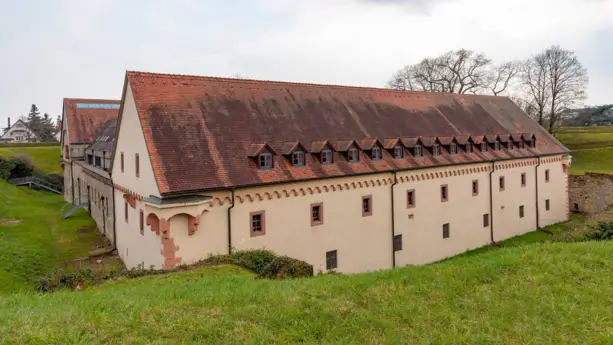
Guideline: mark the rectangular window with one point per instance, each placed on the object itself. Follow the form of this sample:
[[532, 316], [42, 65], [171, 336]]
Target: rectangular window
[[97, 161], [317, 214], [142, 222], [486, 220], [444, 193], [265, 160], [510, 145], [397, 243], [469, 147], [298, 158], [376, 153], [353, 155], [446, 230], [125, 210], [411, 198], [367, 206], [521, 211], [122, 162], [258, 223], [547, 205], [483, 146], [326, 156], [436, 150], [398, 152], [547, 175], [475, 187], [137, 164], [331, 260], [497, 146], [523, 179], [417, 151], [453, 148], [501, 183]]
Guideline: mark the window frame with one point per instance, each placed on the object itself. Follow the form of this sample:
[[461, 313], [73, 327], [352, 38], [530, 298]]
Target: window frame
[[397, 243], [501, 183], [326, 152], [350, 157], [125, 211], [523, 179], [521, 211], [497, 145], [446, 231], [411, 201], [547, 175], [475, 187], [453, 149], [486, 220], [510, 145], [484, 147], [320, 221], [265, 157], [364, 212], [547, 205], [376, 154], [398, 149], [417, 151], [444, 193], [436, 149], [137, 164], [331, 260], [262, 225], [298, 158], [468, 147], [142, 222], [122, 162]]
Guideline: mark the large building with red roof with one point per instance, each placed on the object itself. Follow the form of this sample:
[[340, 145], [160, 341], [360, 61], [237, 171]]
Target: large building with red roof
[[349, 179], [87, 141]]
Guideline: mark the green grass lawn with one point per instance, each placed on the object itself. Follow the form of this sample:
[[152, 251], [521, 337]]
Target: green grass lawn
[[592, 160], [33, 237], [538, 294], [46, 159], [592, 148]]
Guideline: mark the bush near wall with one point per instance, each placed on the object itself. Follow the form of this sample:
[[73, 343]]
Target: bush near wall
[[19, 165], [266, 264], [28, 144]]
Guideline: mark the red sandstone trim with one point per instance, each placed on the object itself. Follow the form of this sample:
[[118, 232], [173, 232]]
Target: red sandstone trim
[[169, 249]]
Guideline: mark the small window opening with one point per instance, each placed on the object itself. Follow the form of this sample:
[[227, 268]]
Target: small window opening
[[326, 156], [376, 153], [298, 158], [398, 152], [486, 220], [475, 187], [417, 151], [444, 193], [436, 150], [446, 230], [521, 211], [453, 148], [331, 260], [353, 155], [469, 147]]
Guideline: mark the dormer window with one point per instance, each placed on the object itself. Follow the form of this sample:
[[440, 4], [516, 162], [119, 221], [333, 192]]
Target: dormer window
[[326, 156], [375, 153], [417, 150], [436, 150], [265, 159], [453, 148], [298, 158], [497, 145], [533, 143], [398, 152], [469, 147], [510, 144], [353, 155], [483, 146], [521, 145]]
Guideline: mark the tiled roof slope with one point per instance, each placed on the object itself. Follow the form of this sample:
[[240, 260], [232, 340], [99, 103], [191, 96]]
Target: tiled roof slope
[[105, 137], [83, 122], [199, 130]]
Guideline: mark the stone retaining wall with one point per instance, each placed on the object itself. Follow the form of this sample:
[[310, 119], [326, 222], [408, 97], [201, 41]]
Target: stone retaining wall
[[590, 193]]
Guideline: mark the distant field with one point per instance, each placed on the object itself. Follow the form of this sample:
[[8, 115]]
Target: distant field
[[46, 159], [592, 160], [577, 138]]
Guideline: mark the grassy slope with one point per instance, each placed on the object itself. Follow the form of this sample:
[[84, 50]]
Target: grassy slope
[[592, 160], [46, 159], [592, 148], [538, 293], [42, 239]]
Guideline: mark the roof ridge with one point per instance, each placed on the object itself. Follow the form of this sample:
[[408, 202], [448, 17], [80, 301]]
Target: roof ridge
[[276, 82]]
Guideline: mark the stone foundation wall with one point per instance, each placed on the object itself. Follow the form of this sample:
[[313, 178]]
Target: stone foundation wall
[[590, 193]]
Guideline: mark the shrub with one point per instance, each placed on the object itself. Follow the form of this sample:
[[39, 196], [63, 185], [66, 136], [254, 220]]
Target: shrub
[[23, 166], [286, 267], [255, 260], [6, 168], [602, 232]]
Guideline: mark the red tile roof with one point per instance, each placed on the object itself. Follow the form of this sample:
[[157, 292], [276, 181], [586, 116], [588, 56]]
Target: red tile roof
[[84, 122], [200, 131]]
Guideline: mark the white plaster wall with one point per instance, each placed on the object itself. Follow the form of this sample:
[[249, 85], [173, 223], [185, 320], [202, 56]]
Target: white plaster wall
[[133, 247], [210, 238], [422, 235], [131, 141], [556, 190]]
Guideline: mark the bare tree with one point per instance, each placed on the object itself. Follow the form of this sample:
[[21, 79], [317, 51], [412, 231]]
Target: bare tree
[[552, 82], [567, 82], [460, 71]]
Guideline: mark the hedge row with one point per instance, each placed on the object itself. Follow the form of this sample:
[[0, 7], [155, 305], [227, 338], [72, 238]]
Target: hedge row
[[264, 263], [5, 144]]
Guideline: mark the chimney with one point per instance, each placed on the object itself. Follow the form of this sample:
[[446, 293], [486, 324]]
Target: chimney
[[9, 123]]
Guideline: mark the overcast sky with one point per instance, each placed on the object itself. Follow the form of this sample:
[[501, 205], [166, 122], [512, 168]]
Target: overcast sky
[[81, 48]]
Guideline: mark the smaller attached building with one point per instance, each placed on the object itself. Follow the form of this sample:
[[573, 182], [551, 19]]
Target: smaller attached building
[[88, 138]]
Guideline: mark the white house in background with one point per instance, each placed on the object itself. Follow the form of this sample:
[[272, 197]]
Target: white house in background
[[19, 133]]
